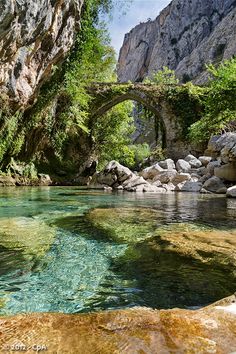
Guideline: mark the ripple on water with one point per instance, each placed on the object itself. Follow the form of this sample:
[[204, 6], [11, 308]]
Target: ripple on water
[[67, 251]]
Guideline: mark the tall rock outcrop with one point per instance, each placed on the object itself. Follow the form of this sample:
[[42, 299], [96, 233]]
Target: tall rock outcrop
[[185, 36], [34, 36]]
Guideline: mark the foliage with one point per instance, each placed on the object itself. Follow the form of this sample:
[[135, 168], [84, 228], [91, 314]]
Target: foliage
[[165, 76], [9, 143], [111, 134], [141, 152], [219, 103], [158, 153], [187, 102]]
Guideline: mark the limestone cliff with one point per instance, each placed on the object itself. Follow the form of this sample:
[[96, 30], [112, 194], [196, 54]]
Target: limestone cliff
[[185, 36], [34, 36]]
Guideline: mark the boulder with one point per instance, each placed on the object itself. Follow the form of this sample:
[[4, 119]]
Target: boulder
[[181, 177], [151, 172], [183, 166], [169, 187], [193, 161], [115, 168], [107, 189], [44, 179], [211, 166], [231, 192], [226, 172], [215, 185], [205, 160], [223, 145], [189, 186], [204, 178], [202, 171], [167, 164], [134, 181], [153, 189], [107, 179], [195, 177], [119, 188], [165, 176]]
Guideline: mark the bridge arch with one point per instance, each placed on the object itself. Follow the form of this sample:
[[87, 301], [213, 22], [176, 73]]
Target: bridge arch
[[106, 96], [137, 97]]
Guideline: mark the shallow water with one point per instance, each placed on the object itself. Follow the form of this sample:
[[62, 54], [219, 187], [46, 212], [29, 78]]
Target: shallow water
[[65, 249]]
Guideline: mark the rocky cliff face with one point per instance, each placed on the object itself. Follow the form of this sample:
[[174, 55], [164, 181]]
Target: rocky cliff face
[[185, 36], [34, 36]]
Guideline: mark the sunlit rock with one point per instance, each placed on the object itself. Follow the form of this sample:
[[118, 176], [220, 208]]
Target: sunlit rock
[[193, 161], [208, 330], [183, 166], [231, 192]]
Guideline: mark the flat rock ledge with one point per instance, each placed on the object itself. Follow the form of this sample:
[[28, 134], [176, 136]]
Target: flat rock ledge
[[139, 330]]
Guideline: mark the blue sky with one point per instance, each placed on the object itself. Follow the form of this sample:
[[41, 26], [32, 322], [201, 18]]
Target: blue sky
[[138, 11]]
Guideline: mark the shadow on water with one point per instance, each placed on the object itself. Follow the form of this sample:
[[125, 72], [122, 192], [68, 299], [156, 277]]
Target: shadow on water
[[167, 279], [150, 272]]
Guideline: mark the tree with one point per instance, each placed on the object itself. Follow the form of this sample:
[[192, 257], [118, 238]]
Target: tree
[[219, 103]]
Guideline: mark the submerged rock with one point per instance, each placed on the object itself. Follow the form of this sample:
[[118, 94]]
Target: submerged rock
[[33, 237], [129, 225]]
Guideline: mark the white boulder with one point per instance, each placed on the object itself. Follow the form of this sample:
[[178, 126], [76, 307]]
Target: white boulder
[[231, 192], [183, 166]]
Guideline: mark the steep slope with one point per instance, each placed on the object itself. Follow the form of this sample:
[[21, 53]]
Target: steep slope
[[34, 36], [185, 36]]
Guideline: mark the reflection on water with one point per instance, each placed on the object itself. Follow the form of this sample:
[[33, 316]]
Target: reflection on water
[[72, 250]]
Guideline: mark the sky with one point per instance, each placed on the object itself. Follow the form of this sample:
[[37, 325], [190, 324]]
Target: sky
[[136, 12]]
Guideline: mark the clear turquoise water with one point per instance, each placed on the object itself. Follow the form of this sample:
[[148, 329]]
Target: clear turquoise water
[[52, 259]]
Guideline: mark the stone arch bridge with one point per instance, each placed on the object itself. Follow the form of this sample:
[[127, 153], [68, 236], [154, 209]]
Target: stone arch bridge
[[153, 97]]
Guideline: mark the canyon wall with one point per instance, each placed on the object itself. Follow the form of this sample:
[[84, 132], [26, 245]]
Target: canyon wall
[[34, 36], [185, 36]]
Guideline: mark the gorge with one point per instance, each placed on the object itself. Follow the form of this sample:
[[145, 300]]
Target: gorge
[[109, 245]]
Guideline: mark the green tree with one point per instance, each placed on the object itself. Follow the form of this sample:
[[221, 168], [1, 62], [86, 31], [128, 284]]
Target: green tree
[[165, 76], [219, 102]]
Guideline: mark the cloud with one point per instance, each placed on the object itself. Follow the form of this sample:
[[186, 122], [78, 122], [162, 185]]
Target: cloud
[[138, 11]]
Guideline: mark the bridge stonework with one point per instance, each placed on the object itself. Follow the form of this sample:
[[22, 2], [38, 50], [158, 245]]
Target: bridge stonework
[[107, 95]]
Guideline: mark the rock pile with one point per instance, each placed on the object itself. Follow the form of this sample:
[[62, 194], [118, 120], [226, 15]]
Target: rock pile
[[117, 177], [213, 173]]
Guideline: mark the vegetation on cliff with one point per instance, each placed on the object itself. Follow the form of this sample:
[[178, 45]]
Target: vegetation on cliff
[[58, 131]]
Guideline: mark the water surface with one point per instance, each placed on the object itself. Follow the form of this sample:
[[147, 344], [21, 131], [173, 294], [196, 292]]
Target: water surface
[[65, 249]]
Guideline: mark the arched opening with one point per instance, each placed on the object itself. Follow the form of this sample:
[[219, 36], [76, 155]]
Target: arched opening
[[152, 114], [149, 127]]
